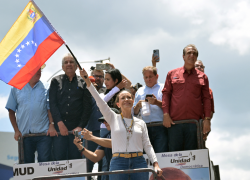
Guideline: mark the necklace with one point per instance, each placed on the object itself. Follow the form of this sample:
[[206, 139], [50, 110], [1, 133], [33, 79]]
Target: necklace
[[129, 130]]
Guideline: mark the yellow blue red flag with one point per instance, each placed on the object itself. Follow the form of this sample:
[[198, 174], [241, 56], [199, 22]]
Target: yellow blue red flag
[[27, 46]]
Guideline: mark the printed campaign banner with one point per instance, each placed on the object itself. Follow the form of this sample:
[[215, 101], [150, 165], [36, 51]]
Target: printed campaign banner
[[8, 154], [183, 165], [29, 171]]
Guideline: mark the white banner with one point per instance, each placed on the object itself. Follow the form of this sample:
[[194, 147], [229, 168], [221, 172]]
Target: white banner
[[29, 171], [189, 165], [9, 149]]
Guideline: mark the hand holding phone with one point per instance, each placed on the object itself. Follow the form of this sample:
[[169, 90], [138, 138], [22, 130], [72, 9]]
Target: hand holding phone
[[156, 54], [102, 66], [78, 134], [148, 95]]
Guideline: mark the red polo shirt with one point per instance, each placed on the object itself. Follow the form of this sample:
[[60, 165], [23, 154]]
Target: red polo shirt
[[186, 96], [212, 99]]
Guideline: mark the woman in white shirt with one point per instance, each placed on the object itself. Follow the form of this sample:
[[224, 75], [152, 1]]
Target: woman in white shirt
[[129, 136]]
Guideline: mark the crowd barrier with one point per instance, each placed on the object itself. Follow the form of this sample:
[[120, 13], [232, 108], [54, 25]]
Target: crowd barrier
[[200, 145], [101, 173]]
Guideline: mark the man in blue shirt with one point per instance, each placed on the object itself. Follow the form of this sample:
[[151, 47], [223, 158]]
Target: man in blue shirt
[[29, 113], [157, 134]]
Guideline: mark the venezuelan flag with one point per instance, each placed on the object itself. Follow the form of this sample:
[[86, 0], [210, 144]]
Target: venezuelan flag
[[27, 46]]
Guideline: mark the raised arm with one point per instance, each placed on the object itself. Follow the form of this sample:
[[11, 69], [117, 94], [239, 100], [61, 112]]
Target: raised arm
[[104, 108], [92, 156], [104, 142]]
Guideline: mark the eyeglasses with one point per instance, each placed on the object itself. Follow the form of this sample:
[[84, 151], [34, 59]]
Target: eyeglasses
[[96, 76], [201, 66]]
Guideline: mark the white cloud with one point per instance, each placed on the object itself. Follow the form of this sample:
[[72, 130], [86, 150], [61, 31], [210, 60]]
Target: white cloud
[[225, 22], [230, 153]]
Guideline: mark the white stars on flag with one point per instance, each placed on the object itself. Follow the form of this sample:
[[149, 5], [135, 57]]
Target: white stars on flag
[[21, 48]]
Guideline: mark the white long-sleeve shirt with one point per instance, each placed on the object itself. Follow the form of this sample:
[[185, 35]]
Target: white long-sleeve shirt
[[107, 97], [139, 139]]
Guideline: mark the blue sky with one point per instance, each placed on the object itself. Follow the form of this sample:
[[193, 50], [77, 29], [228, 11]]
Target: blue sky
[[128, 31]]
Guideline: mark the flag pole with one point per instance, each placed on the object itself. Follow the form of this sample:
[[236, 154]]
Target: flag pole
[[57, 33], [73, 56]]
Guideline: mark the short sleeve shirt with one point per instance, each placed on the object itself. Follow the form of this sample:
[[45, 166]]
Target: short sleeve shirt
[[31, 106]]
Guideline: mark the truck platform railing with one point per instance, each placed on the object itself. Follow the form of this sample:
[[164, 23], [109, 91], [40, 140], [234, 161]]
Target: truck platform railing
[[101, 173], [200, 144]]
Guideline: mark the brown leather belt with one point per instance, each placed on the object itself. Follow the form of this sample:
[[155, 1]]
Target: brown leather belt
[[128, 155]]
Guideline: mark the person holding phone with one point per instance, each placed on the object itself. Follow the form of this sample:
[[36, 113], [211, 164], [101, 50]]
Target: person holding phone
[[129, 135], [152, 93], [103, 148]]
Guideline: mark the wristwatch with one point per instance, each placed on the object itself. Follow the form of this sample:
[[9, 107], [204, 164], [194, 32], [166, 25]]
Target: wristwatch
[[207, 118], [51, 123], [82, 149]]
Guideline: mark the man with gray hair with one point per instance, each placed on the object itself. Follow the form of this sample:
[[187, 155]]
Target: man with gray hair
[[70, 104]]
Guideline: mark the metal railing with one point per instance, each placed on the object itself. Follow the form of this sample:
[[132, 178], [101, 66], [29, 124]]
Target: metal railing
[[199, 125], [101, 173], [20, 144]]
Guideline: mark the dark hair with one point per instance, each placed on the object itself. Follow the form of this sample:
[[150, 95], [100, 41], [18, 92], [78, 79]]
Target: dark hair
[[115, 74], [193, 46]]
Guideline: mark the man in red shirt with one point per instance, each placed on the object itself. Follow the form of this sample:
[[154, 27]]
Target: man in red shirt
[[207, 123], [185, 96]]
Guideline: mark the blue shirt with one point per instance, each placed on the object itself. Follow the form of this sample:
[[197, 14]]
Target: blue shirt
[[31, 106], [156, 113], [94, 124]]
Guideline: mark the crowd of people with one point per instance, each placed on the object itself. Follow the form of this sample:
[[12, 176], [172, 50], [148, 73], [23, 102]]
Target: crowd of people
[[113, 118]]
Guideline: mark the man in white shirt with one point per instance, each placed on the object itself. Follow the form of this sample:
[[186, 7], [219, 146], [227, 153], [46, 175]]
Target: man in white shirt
[[157, 134]]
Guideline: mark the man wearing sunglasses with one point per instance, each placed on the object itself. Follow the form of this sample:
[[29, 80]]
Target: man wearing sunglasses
[[99, 79]]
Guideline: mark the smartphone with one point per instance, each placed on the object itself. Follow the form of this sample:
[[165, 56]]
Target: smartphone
[[78, 134], [148, 95], [102, 67], [156, 53]]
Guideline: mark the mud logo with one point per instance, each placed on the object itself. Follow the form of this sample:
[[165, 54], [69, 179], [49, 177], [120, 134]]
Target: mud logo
[[23, 171]]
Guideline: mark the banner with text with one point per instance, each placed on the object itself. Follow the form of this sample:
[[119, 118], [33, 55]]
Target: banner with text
[[29, 171], [183, 165]]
